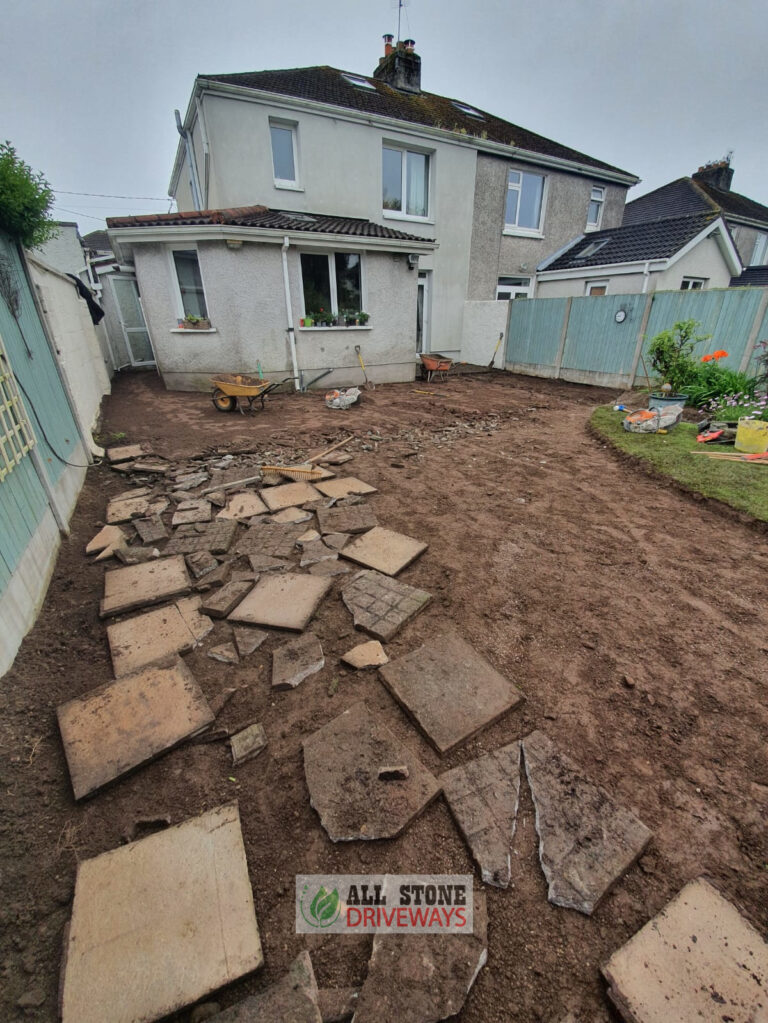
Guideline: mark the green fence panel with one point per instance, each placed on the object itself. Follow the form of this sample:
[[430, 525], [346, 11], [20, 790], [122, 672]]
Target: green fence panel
[[534, 331], [596, 341]]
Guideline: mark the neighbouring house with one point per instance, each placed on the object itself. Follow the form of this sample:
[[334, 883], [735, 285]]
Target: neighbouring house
[[261, 281], [65, 251], [709, 191], [372, 150], [688, 253]]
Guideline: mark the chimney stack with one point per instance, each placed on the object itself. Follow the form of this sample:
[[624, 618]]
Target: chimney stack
[[400, 66], [718, 174]]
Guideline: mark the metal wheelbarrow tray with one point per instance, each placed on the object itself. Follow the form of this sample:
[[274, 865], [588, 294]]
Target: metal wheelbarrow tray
[[232, 390], [435, 364]]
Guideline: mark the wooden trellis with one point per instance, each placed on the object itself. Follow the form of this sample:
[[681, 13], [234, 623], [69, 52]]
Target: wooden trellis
[[16, 437]]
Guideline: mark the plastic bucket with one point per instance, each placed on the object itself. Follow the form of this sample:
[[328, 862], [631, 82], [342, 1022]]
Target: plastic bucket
[[752, 436], [660, 400]]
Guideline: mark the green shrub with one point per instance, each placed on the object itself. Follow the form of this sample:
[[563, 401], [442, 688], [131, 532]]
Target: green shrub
[[671, 353], [26, 199], [708, 382]]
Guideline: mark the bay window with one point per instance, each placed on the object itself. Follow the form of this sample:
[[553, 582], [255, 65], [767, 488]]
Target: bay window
[[525, 202], [331, 284], [405, 181]]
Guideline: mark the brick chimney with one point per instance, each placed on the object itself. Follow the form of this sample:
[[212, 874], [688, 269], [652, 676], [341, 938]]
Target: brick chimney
[[718, 173], [400, 66]]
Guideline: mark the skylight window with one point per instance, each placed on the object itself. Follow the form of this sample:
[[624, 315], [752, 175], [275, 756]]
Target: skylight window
[[359, 81], [470, 111], [592, 248]]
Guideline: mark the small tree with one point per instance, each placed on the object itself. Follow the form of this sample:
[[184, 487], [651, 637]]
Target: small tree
[[671, 353], [26, 199]]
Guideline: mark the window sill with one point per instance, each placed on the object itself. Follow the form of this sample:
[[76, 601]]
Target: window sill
[[288, 186], [194, 330], [591, 227], [522, 232], [326, 329], [397, 215]]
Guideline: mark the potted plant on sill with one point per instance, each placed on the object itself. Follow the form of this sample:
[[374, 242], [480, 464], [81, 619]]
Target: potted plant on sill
[[362, 318], [191, 322], [671, 356]]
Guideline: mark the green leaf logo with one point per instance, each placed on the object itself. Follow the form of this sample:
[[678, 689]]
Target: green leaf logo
[[324, 908]]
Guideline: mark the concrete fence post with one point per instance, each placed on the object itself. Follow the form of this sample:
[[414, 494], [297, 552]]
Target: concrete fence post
[[640, 338], [563, 337]]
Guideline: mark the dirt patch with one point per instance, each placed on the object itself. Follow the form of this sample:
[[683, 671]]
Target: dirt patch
[[632, 620]]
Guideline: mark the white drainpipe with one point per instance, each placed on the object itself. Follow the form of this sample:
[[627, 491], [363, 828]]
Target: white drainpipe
[[289, 314]]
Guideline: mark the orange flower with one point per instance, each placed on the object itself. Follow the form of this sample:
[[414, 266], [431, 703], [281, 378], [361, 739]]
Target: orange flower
[[707, 358], [720, 354]]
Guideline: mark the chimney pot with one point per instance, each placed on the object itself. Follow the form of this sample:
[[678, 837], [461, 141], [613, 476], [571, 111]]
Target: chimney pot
[[387, 44]]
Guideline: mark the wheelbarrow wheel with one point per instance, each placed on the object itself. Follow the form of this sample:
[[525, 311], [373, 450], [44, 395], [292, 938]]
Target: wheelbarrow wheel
[[223, 402]]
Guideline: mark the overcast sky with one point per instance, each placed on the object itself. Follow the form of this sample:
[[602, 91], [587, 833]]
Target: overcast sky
[[656, 87]]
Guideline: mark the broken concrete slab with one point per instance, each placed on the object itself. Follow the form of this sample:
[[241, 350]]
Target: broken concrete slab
[[136, 555], [248, 640], [697, 961], [282, 601], [336, 458], [366, 655], [226, 599], [293, 999], [347, 519], [123, 724], [225, 653], [308, 537], [586, 841], [423, 978], [341, 764], [289, 495], [174, 909], [381, 605], [449, 690], [483, 797], [200, 563], [292, 515], [315, 551], [216, 577], [151, 637], [344, 487], [125, 452], [337, 1004], [266, 563], [192, 511], [329, 568], [336, 540], [109, 536], [150, 530], [138, 585], [296, 660], [243, 506], [216, 537], [247, 744], [155, 466], [276, 539], [190, 481], [384, 550], [127, 508]]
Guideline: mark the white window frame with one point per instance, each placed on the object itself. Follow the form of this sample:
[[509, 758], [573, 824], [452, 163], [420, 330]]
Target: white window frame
[[693, 283], [403, 149], [291, 184], [526, 232], [597, 282], [179, 302], [600, 200], [760, 251], [331, 255], [517, 290]]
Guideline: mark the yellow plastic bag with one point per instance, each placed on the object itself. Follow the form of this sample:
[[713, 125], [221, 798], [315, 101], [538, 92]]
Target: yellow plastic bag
[[752, 436]]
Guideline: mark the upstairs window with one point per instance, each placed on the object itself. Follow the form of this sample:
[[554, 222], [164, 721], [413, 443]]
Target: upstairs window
[[284, 153], [525, 200], [760, 251], [190, 283], [595, 209], [405, 181]]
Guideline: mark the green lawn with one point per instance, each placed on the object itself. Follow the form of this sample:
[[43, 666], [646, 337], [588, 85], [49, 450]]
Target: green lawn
[[739, 484]]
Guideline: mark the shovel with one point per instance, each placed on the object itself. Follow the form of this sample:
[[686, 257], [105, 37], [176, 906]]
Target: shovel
[[369, 384], [495, 350]]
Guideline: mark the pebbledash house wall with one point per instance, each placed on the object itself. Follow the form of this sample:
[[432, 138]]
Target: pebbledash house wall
[[340, 174], [494, 254], [245, 298]]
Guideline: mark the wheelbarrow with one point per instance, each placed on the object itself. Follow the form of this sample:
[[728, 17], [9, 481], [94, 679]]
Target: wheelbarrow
[[435, 364], [237, 390]]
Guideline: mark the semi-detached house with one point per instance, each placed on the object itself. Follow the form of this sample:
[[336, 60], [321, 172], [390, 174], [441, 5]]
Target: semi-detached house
[[464, 205]]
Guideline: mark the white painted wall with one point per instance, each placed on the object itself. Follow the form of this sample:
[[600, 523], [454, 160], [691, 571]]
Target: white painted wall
[[64, 252], [483, 322], [246, 305], [75, 337]]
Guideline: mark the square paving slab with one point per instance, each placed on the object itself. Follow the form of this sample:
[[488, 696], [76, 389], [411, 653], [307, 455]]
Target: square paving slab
[[697, 961], [160, 923], [124, 724], [127, 452], [586, 841], [344, 487], [243, 506], [381, 605], [341, 764], [215, 537], [282, 601], [126, 508], [384, 550], [449, 690], [192, 511], [274, 539], [153, 636], [138, 585], [289, 495], [483, 796], [353, 518]]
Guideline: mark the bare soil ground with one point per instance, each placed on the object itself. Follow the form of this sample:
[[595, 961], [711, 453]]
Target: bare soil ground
[[632, 617]]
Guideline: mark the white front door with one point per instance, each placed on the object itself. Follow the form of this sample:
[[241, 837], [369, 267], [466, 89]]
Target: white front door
[[132, 321], [423, 311]]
